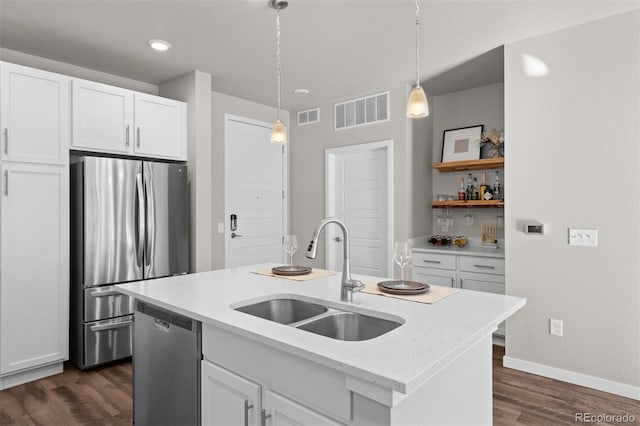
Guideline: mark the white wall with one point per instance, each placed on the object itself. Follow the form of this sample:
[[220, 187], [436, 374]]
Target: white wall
[[482, 105], [573, 160], [224, 104], [194, 88], [307, 155], [75, 71]]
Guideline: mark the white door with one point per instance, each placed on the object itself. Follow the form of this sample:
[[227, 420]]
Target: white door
[[228, 399], [102, 117], [255, 189], [359, 193], [34, 115], [34, 283]]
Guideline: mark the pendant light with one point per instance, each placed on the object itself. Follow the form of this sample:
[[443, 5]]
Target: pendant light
[[417, 105], [279, 133]]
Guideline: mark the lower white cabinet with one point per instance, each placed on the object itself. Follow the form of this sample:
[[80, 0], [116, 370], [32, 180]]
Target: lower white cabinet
[[34, 206], [229, 399]]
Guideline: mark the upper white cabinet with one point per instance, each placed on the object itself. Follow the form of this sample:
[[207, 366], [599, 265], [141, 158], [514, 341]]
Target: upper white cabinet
[[118, 121], [160, 127], [102, 117], [34, 115]]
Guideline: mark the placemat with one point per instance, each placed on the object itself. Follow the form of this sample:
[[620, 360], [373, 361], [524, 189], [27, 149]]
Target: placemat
[[315, 273], [435, 293]]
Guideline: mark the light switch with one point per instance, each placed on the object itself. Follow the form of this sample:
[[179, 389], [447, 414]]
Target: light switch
[[583, 237]]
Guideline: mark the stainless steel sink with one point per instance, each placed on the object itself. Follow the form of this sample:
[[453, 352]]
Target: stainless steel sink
[[284, 311], [349, 326]]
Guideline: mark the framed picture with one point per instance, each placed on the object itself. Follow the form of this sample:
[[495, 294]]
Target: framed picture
[[461, 144]]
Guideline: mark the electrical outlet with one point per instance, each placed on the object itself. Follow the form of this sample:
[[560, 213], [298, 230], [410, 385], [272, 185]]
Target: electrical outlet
[[583, 237], [555, 327]]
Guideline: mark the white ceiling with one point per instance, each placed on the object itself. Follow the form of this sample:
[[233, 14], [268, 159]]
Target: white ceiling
[[336, 49]]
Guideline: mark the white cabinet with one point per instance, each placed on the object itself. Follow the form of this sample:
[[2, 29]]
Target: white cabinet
[[282, 411], [479, 273], [34, 115], [102, 117], [119, 121], [34, 223], [160, 126]]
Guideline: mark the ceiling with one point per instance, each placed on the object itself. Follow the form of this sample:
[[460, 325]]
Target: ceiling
[[336, 49]]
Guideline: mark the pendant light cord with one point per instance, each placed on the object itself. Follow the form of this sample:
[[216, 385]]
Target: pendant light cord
[[417, 44], [278, 70]]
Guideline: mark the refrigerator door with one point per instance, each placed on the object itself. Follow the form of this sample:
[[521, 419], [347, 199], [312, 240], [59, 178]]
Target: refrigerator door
[[166, 246], [112, 212]]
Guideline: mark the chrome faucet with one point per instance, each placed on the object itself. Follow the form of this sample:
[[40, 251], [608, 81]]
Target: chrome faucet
[[349, 285]]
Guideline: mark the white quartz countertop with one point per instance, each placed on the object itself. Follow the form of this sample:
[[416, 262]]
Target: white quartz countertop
[[403, 359], [422, 245]]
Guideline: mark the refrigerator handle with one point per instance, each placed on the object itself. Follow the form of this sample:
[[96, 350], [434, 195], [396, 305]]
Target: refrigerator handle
[[150, 216], [141, 220]]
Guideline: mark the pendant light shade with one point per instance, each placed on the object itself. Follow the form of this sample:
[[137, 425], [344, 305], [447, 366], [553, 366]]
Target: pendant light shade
[[279, 132], [417, 105]]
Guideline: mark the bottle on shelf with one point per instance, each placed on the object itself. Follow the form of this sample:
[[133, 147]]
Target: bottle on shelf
[[462, 192], [497, 190], [483, 186], [469, 187], [474, 190]]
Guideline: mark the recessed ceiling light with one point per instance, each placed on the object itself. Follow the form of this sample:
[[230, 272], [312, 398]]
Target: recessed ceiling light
[[301, 92], [159, 45]]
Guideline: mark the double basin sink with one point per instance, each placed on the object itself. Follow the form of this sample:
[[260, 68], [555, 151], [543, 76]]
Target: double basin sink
[[321, 319]]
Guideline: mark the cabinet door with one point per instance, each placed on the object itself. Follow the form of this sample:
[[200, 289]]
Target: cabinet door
[[160, 127], [102, 118], [34, 115], [228, 399], [281, 411], [34, 265], [440, 277], [487, 283]]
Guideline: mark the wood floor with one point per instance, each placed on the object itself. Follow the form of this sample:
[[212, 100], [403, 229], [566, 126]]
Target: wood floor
[[103, 397]]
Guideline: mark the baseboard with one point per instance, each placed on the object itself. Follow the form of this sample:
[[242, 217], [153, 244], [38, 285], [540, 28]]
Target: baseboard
[[30, 375], [580, 379]]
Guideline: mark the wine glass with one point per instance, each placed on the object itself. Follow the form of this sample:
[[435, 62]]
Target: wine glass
[[290, 246], [402, 256]]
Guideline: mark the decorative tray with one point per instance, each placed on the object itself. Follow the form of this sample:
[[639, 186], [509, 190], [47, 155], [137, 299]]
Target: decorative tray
[[291, 271], [403, 287]]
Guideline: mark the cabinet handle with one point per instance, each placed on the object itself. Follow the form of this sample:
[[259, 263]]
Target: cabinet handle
[[460, 282], [247, 407], [6, 141], [485, 266], [138, 137], [452, 282], [431, 261], [127, 135], [6, 182], [264, 416]]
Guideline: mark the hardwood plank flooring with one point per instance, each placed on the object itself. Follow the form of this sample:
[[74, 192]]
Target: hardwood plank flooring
[[102, 396]]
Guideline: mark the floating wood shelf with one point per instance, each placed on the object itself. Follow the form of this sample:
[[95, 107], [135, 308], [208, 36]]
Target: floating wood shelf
[[458, 166], [473, 203]]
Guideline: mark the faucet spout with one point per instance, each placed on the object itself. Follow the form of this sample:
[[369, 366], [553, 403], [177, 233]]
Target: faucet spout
[[349, 285]]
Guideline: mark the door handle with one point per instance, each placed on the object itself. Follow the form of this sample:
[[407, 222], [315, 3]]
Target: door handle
[[452, 282], [337, 239], [461, 283], [264, 417], [103, 327], [6, 182], [234, 235], [6, 140], [127, 135], [138, 137], [247, 407], [162, 325], [150, 224], [98, 293], [141, 216], [431, 261], [485, 266]]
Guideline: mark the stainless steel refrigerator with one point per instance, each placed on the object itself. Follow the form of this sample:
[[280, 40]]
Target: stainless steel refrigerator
[[129, 221]]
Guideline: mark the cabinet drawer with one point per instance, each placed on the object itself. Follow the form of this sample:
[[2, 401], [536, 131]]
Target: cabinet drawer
[[483, 265], [440, 277], [434, 260], [479, 283], [106, 302], [108, 340]]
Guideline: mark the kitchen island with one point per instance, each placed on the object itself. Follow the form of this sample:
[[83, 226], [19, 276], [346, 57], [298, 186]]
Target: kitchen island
[[433, 369]]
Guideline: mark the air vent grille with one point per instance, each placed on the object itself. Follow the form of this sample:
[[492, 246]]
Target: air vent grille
[[362, 111], [309, 116]]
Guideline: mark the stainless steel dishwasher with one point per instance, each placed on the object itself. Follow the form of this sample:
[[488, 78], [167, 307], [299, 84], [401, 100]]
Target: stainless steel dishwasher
[[167, 351]]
